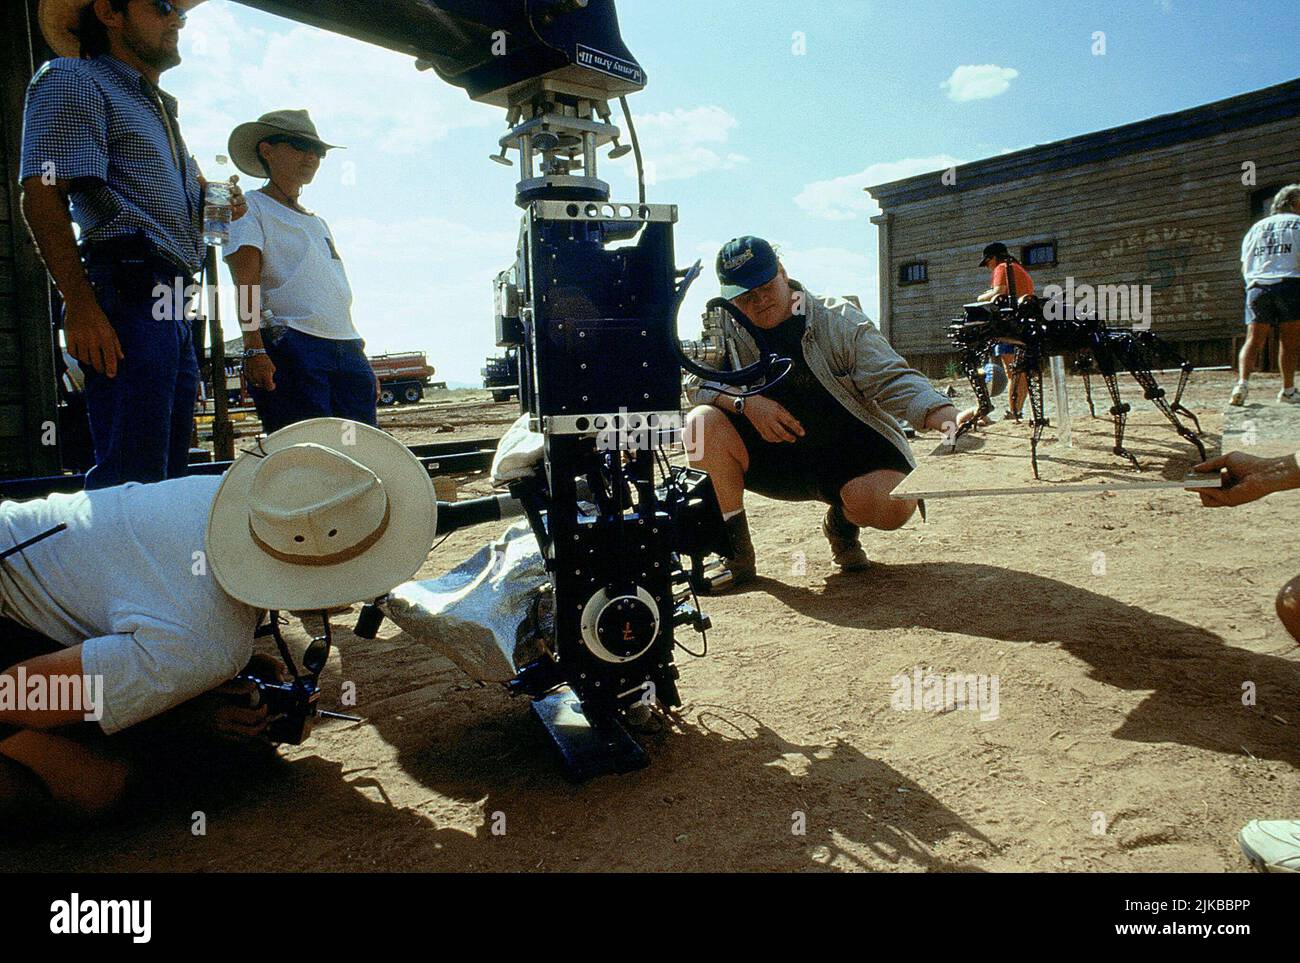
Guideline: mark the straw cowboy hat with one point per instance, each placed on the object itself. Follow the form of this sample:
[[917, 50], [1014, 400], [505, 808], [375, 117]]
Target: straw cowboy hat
[[245, 138], [58, 19], [326, 512]]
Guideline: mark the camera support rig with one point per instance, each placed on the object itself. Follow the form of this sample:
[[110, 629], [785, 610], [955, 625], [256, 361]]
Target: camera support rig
[[595, 326], [591, 305]]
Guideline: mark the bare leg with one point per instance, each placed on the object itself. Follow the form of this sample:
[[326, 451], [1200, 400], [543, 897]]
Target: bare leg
[[24, 801], [1017, 385], [1288, 351], [1288, 607], [714, 446], [1256, 338], [867, 503], [82, 782]]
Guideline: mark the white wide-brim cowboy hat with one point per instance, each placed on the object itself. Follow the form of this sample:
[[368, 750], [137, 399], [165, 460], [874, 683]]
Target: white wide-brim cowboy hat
[[245, 138], [324, 513], [58, 19]]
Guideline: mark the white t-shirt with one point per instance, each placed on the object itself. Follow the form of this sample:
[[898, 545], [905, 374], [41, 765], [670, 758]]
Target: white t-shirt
[[130, 581], [1271, 250], [303, 281]]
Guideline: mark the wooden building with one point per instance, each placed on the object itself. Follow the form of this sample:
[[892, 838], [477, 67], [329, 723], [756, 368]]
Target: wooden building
[[29, 441], [1163, 202]]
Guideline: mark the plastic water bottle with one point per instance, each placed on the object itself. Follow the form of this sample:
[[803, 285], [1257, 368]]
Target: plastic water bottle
[[272, 330], [216, 207]]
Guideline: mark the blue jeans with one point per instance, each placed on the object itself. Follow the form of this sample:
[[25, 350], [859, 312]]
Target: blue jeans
[[317, 378], [142, 419]]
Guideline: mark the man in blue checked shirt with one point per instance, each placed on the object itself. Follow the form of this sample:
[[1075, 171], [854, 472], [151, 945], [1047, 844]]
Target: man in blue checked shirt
[[99, 135]]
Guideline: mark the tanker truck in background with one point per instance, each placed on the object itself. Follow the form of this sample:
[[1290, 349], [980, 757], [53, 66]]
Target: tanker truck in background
[[403, 377]]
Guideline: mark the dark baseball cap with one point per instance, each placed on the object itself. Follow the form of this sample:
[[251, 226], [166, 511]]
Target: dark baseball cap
[[745, 263], [996, 249]]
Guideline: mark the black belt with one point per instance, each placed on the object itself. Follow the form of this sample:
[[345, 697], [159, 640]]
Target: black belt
[[133, 253]]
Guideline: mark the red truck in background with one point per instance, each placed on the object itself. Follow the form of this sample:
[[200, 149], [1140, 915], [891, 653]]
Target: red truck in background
[[402, 375]]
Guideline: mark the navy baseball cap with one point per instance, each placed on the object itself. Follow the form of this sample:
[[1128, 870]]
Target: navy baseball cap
[[745, 263]]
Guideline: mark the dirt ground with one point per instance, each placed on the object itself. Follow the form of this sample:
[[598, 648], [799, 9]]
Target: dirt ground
[[1122, 630]]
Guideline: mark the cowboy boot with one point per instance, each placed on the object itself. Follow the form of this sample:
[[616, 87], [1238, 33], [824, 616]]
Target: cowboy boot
[[740, 566], [846, 547]]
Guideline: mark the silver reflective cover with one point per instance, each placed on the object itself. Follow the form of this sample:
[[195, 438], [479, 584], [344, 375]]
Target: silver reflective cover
[[481, 613]]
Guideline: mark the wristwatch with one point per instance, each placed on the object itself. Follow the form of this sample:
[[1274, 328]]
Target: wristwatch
[[253, 352], [739, 405]]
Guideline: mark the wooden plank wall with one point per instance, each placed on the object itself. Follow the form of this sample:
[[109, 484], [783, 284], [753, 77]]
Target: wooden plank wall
[[27, 390], [1172, 218]]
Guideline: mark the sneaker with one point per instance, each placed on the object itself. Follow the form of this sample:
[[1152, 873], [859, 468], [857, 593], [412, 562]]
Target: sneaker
[[1239, 392], [846, 548], [1291, 397], [1272, 846]]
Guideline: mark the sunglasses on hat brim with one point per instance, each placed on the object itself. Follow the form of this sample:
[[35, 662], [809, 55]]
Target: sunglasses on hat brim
[[301, 144]]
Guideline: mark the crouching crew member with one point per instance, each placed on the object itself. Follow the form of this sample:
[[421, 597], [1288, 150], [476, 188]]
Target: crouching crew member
[[829, 430], [149, 596]]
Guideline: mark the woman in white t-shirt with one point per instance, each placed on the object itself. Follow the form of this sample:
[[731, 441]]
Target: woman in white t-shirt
[[302, 356], [1270, 266]]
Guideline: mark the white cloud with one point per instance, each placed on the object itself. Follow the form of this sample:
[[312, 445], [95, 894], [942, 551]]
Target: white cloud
[[686, 142], [834, 271], [340, 81], [978, 82], [843, 198]]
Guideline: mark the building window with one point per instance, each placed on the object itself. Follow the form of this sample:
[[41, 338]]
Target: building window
[[914, 272], [1039, 254], [1260, 201]]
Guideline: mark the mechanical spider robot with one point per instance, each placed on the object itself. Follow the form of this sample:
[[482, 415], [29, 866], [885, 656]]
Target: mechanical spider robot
[[1039, 334]]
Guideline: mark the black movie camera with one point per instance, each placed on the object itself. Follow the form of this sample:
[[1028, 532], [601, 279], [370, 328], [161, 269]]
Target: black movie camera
[[293, 704]]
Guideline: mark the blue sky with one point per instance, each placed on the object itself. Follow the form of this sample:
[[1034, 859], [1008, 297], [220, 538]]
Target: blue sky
[[742, 130]]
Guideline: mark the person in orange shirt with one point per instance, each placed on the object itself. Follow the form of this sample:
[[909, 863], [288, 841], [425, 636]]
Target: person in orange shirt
[[1000, 261]]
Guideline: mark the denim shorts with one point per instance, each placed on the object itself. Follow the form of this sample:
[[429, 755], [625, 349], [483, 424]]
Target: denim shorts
[[1276, 303]]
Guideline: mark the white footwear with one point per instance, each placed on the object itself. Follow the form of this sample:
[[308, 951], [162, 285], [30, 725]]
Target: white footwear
[[1272, 846], [1288, 398], [1239, 392]]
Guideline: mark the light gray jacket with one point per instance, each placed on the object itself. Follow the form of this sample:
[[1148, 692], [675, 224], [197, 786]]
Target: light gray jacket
[[853, 362]]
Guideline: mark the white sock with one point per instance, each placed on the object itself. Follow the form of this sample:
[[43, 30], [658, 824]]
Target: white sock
[[1289, 391], [728, 516]]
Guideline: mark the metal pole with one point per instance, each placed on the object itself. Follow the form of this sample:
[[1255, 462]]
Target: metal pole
[[223, 432], [1062, 402]]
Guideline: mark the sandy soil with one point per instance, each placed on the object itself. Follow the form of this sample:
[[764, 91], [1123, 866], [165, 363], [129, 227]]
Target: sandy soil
[[1121, 629]]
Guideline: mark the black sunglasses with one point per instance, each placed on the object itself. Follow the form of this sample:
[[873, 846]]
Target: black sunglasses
[[300, 144], [166, 9]]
